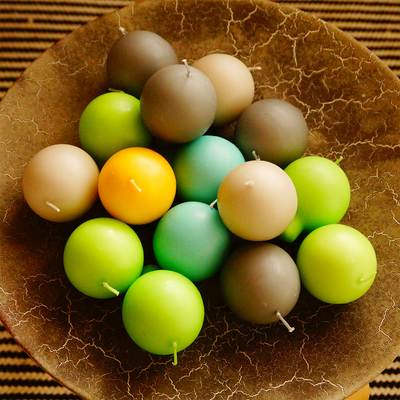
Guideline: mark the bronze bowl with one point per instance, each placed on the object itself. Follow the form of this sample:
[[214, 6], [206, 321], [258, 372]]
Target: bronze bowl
[[351, 103]]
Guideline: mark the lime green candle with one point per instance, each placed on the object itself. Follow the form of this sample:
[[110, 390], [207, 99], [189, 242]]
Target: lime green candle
[[163, 312], [103, 257]]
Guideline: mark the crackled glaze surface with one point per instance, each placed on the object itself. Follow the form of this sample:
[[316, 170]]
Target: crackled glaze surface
[[351, 103]]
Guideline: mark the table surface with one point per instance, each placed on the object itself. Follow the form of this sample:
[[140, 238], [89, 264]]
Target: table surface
[[28, 28]]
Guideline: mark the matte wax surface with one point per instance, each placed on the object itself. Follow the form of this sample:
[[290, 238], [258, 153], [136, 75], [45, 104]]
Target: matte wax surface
[[135, 57]]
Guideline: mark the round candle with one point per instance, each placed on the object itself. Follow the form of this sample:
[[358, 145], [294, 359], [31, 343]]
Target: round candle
[[163, 312], [257, 200], [178, 103], [201, 165], [103, 257], [191, 239], [135, 57], [260, 282], [337, 264], [60, 182], [233, 83], [137, 185], [275, 129], [112, 122], [323, 193]]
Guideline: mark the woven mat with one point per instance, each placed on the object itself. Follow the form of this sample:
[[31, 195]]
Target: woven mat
[[28, 27]]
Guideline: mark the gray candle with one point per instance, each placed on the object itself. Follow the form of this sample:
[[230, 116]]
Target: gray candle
[[275, 129], [135, 57], [178, 103], [260, 283]]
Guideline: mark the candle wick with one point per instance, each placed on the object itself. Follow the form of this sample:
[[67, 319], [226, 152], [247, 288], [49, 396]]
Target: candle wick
[[284, 322], [53, 206], [110, 288], [249, 183], [338, 161], [254, 68], [255, 155], [213, 203], [189, 73], [136, 186], [175, 360]]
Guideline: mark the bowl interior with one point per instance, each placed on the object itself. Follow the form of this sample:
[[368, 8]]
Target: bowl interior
[[351, 103]]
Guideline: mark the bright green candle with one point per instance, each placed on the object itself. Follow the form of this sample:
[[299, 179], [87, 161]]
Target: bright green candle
[[112, 122], [337, 264], [323, 194], [163, 312], [201, 165], [191, 239], [103, 257]]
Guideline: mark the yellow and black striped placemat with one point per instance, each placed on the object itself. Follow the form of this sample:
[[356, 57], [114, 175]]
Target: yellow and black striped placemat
[[28, 28]]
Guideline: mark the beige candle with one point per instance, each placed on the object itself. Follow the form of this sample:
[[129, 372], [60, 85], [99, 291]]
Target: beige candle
[[257, 200], [233, 83], [60, 182]]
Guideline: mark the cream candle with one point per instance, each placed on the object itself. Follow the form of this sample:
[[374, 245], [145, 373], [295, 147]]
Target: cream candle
[[60, 182], [257, 200], [233, 83]]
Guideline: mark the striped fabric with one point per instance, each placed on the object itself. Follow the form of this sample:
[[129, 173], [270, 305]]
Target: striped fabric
[[28, 27]]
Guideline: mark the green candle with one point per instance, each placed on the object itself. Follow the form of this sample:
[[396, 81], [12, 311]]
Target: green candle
[[163, 312], [337, 264], [103, 257]]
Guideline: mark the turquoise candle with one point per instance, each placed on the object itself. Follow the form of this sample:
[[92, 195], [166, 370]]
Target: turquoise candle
[[191, 239], [201, 165]]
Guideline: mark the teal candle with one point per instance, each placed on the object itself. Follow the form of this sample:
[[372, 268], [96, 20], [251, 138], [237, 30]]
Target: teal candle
[[191, 239], [337, 264], [163, 312], [201, 165], [103, 257], [112, 122], [323, 193]]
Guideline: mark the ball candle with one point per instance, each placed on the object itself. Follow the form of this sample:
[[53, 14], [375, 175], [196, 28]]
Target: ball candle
[[275, 129], [257, 200], [337, 263], [191, 239], [135, 57], [323, 193], [60, 182], [178, 103], [201, 165], [233, 83], [260, 283], [103, 257], [163, 312], [112, 122], [137, 185]]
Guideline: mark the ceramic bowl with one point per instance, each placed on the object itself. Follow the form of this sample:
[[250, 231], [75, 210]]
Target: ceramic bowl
[[351, 102]]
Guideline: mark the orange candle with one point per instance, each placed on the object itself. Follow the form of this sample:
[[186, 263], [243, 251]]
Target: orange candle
[[137, 185]]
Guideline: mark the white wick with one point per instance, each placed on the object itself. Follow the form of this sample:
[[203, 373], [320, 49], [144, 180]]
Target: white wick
[[284, 322], [187, 67], [53, 206], [249, 183], [255, 155], [136, 186], [213, 203]]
